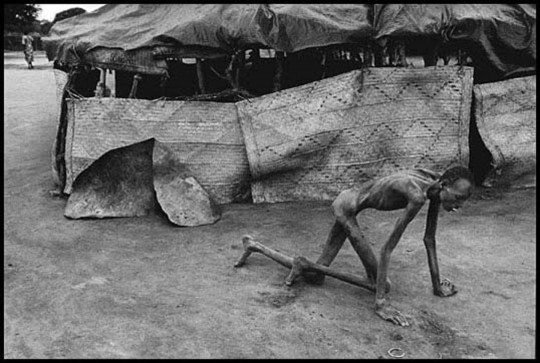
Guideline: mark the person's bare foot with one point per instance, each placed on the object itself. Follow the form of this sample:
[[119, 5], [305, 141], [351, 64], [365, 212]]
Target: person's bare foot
[[391, 314], [447, 289]]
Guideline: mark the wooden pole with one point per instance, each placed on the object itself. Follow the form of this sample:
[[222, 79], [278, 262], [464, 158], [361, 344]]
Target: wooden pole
[[323, 63], [133, 91], [431, 52], [163, 85], [100, 87], [200, 77], [402, 53], [368, 56], [279, 71], [111, 81], [379, 54], [240, 62], [229, 72]]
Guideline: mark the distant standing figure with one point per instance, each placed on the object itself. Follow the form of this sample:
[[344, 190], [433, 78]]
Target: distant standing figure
[[28, 43]]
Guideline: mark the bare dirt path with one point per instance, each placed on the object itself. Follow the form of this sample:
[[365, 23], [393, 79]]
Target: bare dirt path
[[143, 288]]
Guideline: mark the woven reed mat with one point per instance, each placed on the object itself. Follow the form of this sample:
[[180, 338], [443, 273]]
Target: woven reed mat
[[118, 184], [61, 79], [203, 136], [505, 114], [312, 141]]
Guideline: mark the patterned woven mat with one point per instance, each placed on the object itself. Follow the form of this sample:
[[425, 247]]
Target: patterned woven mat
[[505, 114], [312, 141], [203, 136], [118, 184]]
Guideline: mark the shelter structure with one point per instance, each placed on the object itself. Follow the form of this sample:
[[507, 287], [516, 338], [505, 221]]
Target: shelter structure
[[145, 38], [144, 72]]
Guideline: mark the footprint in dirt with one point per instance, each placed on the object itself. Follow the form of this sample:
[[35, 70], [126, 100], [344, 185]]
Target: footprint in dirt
[[448, 342], [275, 297]]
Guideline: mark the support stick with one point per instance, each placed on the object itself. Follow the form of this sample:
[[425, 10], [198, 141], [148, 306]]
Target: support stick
[[100, 87], [200, 77], [229, 72], [250, 246], [298, 265], [280, 58], [240, 62], [134, 86]]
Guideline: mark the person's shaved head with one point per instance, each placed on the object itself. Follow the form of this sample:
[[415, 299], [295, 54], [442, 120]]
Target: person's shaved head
[[457, 183], [455, 173]]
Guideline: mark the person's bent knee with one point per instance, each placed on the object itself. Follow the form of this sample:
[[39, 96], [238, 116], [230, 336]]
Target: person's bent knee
[[343, 205]]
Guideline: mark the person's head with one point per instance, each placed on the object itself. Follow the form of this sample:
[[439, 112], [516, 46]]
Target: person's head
[[456, 187]]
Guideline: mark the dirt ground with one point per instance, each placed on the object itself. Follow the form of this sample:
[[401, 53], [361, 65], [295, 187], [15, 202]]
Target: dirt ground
[[143, 288]]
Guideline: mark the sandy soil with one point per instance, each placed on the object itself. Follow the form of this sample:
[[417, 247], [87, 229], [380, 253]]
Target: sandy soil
[[143, 288]]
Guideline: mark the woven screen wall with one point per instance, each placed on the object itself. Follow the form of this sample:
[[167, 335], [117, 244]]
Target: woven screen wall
[[505, 114], [304, 143], [205, 137], [312, 141], [61, 79]]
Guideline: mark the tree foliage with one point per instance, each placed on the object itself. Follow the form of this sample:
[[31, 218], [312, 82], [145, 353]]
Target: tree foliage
[[20, 17]]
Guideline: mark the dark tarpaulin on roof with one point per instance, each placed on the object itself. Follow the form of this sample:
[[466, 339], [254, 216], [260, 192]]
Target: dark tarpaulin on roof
[[293, 27], [205, 30], [501, 38]]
